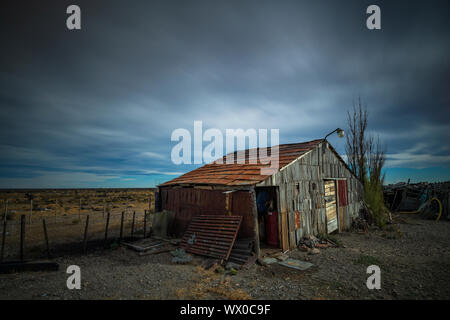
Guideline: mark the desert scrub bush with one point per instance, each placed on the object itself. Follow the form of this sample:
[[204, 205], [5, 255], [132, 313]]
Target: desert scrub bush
[[373, 196]]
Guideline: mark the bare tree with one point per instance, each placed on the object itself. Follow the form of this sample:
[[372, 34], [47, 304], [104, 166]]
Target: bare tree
[[356, 146], [376, 155], [365, 156]]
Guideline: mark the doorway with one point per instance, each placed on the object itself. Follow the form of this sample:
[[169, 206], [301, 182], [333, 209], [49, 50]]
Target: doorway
[[331, 205], [267, 204]]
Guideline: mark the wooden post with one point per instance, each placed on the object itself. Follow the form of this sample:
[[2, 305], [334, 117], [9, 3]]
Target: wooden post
[[132, 225], [106, 228], [121, 227], [85, 234], [104, 208], [79, 211], [56, 210], [255, 221], [46, 238], [3, 240], [145, 223], [22, 235], [6, 210], [31, 210]]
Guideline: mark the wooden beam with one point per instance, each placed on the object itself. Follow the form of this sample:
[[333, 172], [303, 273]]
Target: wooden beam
[[255, 221]]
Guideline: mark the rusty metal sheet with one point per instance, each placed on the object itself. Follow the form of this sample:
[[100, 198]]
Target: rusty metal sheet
[[248, 173], [187, 203], [211, 236]]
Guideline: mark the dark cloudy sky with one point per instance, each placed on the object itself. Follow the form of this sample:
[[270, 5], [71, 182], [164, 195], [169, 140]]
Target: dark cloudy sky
[[96, 107]]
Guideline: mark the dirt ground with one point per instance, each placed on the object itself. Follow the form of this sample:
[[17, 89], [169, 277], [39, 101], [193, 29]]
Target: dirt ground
[[414, 262]]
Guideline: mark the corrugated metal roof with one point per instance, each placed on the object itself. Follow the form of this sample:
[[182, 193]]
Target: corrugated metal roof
[[236, 174]]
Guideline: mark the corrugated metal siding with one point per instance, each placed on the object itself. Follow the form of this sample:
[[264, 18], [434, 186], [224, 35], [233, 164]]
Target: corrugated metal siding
[[307, 171], [190, 202]]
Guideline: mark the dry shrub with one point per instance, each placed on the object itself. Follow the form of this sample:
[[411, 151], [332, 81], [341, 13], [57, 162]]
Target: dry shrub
[[225, 289], [206, 286]]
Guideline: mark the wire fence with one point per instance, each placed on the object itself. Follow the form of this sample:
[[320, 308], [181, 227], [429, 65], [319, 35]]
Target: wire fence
[[58, 235]]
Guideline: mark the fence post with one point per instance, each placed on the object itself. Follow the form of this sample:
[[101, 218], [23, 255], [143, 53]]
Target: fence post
[[31, 210], [106, 228], [121, 227], [22, 235], [132, 225], [85, 234], [46, 237], [3, 240], [6, 210], [145, 223]]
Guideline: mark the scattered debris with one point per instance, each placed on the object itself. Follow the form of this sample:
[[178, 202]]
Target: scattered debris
[[232, 265], [281, 256], [406, 197], [269, 260], [180, 256], [296, 264], [144, 245]]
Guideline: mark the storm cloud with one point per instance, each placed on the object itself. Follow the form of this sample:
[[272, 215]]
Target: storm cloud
[[96, 107]]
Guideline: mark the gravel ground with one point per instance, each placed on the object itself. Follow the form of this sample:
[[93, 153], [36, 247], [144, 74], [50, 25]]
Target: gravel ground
[[414, 265]]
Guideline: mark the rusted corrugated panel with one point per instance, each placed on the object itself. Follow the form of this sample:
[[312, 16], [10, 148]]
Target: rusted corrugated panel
[[242, 205], [190, 202], [248, 173], [211, 236]]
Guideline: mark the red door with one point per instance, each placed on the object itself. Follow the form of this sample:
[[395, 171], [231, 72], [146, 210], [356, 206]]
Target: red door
[[272, 229]]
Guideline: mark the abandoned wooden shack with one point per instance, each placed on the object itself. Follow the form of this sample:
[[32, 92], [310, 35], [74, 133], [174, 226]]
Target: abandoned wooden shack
[[312, 192]]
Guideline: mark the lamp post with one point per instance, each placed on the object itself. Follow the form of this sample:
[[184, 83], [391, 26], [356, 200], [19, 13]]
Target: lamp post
[[339, 131]]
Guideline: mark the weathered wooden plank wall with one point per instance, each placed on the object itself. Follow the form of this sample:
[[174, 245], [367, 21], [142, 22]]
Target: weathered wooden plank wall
[[301, 188]]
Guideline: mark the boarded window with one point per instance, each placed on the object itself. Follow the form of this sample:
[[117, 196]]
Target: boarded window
[[343, 193]]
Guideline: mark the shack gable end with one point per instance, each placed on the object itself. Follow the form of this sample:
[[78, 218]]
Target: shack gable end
[[301, 192]]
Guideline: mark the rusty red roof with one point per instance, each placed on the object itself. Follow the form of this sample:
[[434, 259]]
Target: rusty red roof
[[248, 173]]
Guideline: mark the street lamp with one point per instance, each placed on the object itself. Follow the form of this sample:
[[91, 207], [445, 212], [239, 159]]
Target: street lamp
[[339, 131]]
